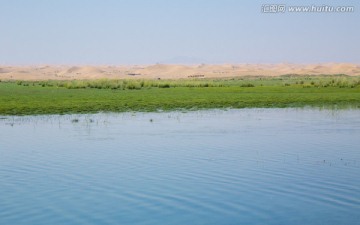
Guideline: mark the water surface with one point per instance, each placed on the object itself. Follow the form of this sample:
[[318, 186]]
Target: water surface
[[249, 166]]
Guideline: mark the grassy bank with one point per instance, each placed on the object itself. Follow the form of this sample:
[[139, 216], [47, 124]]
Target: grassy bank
[[60, 97]]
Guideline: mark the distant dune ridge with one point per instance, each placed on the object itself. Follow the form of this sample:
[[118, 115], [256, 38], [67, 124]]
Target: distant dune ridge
[[172, 71]]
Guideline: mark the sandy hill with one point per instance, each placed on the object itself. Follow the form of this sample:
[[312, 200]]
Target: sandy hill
[[168, 71]]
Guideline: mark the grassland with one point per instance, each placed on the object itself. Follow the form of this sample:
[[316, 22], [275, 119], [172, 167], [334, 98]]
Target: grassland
[[82, 96]]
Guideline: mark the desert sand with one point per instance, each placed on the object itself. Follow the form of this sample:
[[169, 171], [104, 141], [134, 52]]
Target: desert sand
[[165, 71]]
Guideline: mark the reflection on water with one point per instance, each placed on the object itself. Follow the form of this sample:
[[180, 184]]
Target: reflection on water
[[249, 166]]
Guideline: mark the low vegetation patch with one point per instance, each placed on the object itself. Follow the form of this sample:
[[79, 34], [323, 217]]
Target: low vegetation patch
[[91, 96]]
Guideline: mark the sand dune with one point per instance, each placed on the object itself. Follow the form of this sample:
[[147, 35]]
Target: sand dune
[[4, 70], [85, 69], [166, 71]]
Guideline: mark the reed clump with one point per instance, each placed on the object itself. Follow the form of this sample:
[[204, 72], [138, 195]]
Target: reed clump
[[124, 84], [340, 81]]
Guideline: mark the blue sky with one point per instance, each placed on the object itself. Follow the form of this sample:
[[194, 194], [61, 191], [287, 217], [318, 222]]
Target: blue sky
[[170, 31]]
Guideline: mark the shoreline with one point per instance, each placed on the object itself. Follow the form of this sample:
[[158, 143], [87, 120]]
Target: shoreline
[[76, 118]]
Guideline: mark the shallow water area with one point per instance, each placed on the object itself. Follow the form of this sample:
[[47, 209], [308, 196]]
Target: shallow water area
[[247, 166]]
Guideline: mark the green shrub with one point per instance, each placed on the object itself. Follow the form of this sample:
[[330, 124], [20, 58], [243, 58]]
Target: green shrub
[[247, 85]]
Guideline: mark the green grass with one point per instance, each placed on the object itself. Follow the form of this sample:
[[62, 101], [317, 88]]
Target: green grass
[[65, 97]]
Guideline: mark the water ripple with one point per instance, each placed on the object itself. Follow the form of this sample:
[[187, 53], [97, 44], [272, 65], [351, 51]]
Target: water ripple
[[250, 166]]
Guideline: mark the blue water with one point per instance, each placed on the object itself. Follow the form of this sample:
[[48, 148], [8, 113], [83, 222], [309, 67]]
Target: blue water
[[249, 166]]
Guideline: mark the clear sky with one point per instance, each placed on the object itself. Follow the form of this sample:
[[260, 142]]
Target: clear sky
[[174, 31]]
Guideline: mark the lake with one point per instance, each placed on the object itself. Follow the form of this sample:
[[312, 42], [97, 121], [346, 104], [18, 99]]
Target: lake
[[246, 166]]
